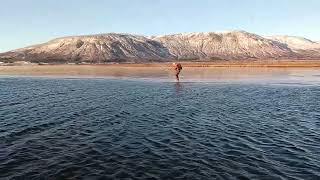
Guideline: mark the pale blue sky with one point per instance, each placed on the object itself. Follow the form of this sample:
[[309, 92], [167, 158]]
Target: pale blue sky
[[26, 22]]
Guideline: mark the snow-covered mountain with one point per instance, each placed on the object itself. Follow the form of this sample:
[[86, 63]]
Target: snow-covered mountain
[[295, 42], [209, 46], [223, 45]]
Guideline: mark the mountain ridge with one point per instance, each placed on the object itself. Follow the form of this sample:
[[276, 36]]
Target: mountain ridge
[[206, 46]]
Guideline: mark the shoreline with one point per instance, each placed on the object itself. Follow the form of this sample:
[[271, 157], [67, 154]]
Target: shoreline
[[222, 63], [191, 72]]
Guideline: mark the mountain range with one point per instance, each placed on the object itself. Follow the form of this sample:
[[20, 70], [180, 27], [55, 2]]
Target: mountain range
[[204, 46]]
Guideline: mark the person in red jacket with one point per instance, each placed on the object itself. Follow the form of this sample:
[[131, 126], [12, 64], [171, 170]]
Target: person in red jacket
[[177, 67]]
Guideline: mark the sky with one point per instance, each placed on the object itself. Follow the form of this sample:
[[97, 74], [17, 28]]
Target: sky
[[27, 22]]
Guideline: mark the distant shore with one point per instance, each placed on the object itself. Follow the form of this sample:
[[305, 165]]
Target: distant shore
[[219, 63], [192, 71], [240, 63]]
